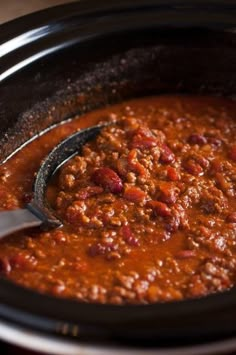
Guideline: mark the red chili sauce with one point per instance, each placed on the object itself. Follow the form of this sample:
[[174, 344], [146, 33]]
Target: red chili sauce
[[149, 206]]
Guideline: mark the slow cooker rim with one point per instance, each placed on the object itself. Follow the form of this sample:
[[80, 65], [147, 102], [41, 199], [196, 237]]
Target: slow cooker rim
[[31, 302], [210, 302]]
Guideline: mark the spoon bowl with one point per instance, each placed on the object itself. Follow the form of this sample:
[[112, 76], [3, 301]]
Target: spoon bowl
[[38, 213]]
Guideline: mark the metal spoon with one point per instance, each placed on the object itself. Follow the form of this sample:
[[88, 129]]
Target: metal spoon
[[37, 213]]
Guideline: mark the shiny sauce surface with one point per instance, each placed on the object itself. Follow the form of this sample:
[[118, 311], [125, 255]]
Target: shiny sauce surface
[[148, 207]]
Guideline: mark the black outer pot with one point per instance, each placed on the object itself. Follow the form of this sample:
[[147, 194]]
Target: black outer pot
[[74, 58]]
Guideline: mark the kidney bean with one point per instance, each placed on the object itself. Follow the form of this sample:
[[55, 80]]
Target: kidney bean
[[167, 156], [197, 139], [108, 179], [159, 208], [143, 138], [143, 142], [129, 236]]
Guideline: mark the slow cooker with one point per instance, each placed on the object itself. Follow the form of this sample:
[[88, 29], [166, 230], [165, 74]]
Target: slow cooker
[[70, 60]]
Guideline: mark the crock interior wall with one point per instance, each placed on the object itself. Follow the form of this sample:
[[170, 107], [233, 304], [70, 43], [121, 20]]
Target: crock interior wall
[[107, 70]]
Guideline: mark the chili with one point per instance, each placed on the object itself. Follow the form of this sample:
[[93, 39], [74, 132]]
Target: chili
[[148, 207]]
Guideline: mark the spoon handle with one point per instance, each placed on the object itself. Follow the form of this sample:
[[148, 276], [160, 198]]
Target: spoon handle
[[13, 221]]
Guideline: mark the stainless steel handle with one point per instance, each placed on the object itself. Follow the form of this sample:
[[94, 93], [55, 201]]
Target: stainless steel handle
[[13, 221]]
